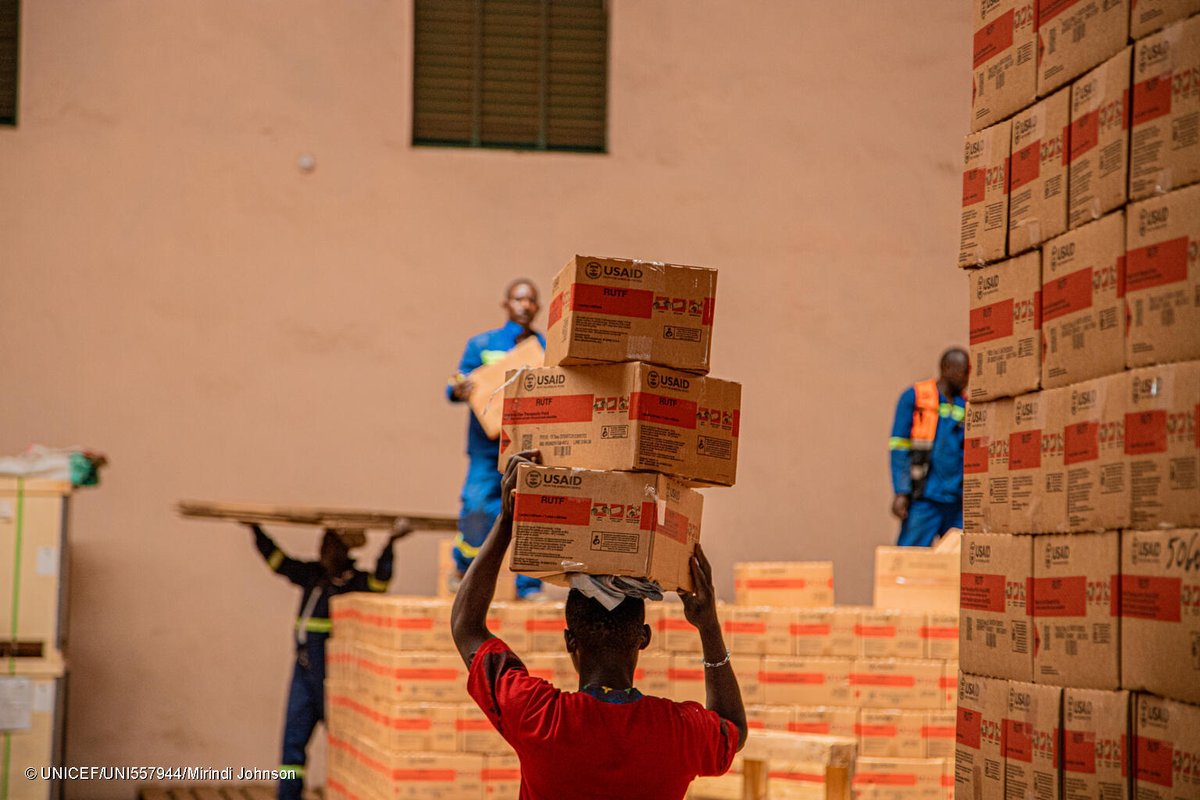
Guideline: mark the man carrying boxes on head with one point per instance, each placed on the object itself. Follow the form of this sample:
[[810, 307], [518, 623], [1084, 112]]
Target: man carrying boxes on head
[[927, 452], [481, 489]]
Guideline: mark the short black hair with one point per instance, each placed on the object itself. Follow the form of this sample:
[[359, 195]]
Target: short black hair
[[508, 290], [597, 628], [953, 354]]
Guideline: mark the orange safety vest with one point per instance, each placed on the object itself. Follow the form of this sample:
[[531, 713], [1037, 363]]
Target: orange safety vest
[[924, 429]]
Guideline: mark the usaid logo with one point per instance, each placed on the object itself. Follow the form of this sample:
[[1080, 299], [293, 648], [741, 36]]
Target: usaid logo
[[1081, 400], [1084, 96], [1026, 410], [1024, 126], [968, 690], [1153, 218], [1153, 54], [988, 7], [973, 150], [1146, 551], [593, 270], [983, 552], [986, 285], [1019, 701], [534, 479], [654, 380], [976, 416], [1080, 708], [1061, 252], [1146, 387], [1057, 554], [1154, 715], [560, 479]]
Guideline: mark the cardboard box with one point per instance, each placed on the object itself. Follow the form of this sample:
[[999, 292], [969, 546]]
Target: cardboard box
[[898, 779], [487, 393], [641, 525], [1160, 612], [507, 620], [1005, 333], [506, 588], [476, 733], [825, 631], [1162, 279], [1096, 729], [393, 622], [937, 735], [39, 600], [625, 417], [916, 579], [769, 718], [501, 777], [986, 506], [405, 776], [748, 671], [794, 780], [555, 668], [806, 681], [687, 679], [1076, 35], [1034, 454], [891, 733], [759, 630], [890, 633], [940, 635], [1148, 16], [1162, 446], [652, 675], [1004, 58], [1037, 204], [995, 636], [824, 720], [1098, 168], [1094, 457], [676, 633], [1166, 749], [1083, 303], [978, 754], [983, 232], [410, 677], [1029, 739], [800, 584], [618, 309], [1165, 148], [949, 684], [1075, 615], [905, 683], [34, 738], [393, 726], [544, 626]]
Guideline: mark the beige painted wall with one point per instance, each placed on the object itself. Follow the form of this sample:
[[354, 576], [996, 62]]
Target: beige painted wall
[[176, 292]]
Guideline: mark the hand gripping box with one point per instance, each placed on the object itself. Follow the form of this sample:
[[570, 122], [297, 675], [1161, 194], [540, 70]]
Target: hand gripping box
[[1098, 172], [1076, 627], [801, 584], [1004, 57], [978, 754], [1147, 16], [994, 635], [1096, 731], [1160, 612], [1097, 473], [1165, 139], [618, 309], [1162, 279], [625, 417], [1037, 204], [1076, 35], [637, 524], [1005, 328], [986, 504], [1083, 303], [1162, 445], [1035, 487], [1032, 726], [1166, 750], [983, 232]]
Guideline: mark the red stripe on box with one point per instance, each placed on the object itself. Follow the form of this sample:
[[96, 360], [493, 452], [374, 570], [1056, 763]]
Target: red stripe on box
[[939, 632], [489, 775], [548, 410], [708, 310], [1026, 165], [1085, 134], [788, 775], [1079, 752], [937, 731], [1151, 99], [1067, 294], [887, 779], [545, 508], [875, 631], [556, 311], [1156, 265], [649, 519], [677, 674], [815, 629], [994, 38], [821, 728], [612, 301], [544, 625], [647, 407], [990, 322], [1017, 740], [1151, 597], [979, 592], [472, 725], [975, 455], [1155, 761], [1025, 450], [772, 583], [974, 187], [809, 678], [1081, 442], [969, 730], [889, 731], [1145, 432], [867, 679], [425, 775], [745, 627], [425, 674]]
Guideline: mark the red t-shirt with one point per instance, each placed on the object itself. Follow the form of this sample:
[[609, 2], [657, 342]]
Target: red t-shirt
[[572, 744]]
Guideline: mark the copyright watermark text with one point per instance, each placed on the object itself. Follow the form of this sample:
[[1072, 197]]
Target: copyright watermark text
[[158, 774]]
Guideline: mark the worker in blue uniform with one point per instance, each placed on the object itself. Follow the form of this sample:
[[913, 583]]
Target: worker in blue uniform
[[334, 573], [481, 489], [927, 452]]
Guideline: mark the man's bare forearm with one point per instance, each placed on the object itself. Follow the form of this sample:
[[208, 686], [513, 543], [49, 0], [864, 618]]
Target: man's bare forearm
[[468, 616], [722, 695]]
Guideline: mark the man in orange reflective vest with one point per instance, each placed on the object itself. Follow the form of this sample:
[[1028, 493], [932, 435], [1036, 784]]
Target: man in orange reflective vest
[[927, 452]]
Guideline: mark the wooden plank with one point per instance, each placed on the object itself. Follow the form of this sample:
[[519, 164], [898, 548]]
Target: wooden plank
[[754, 779], [316, 516], [837, 783]]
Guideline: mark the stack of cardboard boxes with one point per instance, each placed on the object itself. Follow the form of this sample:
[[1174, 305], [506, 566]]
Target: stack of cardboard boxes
[[1081, 231], [33, 527]]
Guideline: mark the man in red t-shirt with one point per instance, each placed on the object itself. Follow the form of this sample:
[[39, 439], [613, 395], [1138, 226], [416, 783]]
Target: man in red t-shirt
[[607, 740]]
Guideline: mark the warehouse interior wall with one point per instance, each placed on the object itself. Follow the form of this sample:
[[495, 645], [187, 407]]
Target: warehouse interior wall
[[177, 293]]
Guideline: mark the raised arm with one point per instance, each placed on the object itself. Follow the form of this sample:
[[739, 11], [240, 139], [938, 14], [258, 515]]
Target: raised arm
[[294, 570], [379, 580], [468, 616], [722, 695]]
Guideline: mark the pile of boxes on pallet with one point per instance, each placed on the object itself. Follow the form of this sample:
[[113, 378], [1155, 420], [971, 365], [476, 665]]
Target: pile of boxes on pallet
[[33, 528], [1081, 562], [627, 423]]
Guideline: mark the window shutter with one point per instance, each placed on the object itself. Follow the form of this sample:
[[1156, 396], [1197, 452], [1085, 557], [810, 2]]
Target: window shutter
[[578, 85], [10, 48], [444, 71]]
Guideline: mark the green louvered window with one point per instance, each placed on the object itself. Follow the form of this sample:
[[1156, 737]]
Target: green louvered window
[[10, 48], [525, 74]]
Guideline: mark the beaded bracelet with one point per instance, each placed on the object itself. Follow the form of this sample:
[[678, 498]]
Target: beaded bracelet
[[716, 664]]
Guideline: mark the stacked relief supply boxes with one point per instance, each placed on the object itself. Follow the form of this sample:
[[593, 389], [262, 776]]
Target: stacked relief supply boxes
[[33, 530], [1079, 637]]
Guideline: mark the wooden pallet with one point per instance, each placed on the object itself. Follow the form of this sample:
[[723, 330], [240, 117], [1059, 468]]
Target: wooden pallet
[[320, 517], [218, 791]]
